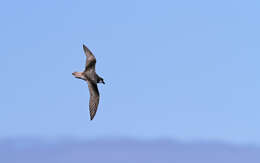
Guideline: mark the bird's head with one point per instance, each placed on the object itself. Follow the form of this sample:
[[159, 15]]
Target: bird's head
[[101, 80]]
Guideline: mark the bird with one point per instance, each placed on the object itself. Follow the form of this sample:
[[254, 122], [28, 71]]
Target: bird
[[92, 78]]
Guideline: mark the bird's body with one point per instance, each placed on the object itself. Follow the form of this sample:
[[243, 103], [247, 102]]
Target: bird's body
[[90, 76]]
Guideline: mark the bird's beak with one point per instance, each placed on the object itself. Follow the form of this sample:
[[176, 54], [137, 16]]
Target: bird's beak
[[103, 82]]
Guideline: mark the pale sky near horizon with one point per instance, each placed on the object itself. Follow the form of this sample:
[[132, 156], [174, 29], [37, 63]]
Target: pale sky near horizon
[[184, 70]]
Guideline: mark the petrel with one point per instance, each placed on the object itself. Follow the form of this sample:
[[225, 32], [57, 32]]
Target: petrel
[[89, 75]]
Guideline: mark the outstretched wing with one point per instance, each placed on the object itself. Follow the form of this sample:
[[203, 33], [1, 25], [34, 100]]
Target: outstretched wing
[[94, 99], [91, 60]]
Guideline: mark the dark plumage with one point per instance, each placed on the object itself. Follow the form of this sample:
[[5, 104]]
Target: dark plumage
[[90, 76]]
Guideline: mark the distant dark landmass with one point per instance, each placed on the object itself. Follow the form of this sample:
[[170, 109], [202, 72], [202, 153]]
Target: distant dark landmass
[[124, 151]]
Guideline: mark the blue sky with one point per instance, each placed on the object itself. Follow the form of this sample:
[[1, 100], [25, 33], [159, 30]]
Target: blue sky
[[173, 69]]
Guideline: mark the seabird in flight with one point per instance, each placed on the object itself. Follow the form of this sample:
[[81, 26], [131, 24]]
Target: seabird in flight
[[89, 75]]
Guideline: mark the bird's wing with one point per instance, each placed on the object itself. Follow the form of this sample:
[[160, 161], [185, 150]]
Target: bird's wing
[[91, 60], [94, 99]]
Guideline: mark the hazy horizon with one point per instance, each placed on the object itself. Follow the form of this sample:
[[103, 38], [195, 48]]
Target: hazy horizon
[[125, 150]]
